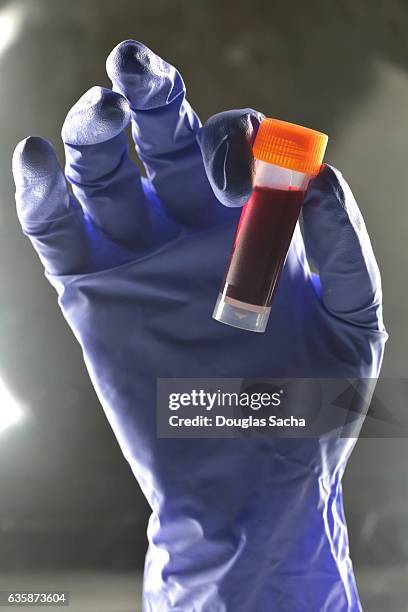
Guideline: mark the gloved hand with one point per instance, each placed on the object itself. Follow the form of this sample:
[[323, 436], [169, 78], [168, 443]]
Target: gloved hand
[[237, 525]]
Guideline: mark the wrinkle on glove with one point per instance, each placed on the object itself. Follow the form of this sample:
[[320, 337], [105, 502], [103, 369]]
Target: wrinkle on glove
[[237, 525]]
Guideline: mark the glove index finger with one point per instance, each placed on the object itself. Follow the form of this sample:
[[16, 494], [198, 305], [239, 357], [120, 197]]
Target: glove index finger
[[226, 141]]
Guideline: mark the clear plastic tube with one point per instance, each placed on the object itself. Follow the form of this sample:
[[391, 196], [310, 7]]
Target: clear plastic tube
[[261, 244]]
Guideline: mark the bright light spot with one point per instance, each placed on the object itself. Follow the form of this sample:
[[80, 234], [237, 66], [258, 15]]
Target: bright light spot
[[10, 410], [10, 25]]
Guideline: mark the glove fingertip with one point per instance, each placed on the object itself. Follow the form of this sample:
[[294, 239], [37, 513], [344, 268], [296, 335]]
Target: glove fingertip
[[40, 184], [32, 156], [98, 116], [226, 144], [328, 179], [144, 78]]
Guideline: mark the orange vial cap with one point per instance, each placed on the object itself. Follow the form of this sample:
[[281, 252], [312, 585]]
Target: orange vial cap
[[290, 145]]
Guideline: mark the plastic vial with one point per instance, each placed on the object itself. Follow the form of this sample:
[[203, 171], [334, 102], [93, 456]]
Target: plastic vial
[[287, 156]]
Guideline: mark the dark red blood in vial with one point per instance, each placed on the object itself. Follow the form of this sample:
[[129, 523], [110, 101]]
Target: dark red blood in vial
[[265, 230]]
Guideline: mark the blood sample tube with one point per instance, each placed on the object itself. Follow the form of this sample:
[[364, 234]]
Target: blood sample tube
[[287, 156]]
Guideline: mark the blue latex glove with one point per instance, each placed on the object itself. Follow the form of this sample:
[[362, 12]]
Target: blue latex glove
[[242, 525]]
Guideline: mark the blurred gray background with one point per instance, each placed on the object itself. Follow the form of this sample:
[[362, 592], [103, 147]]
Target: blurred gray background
[[68, 501]]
